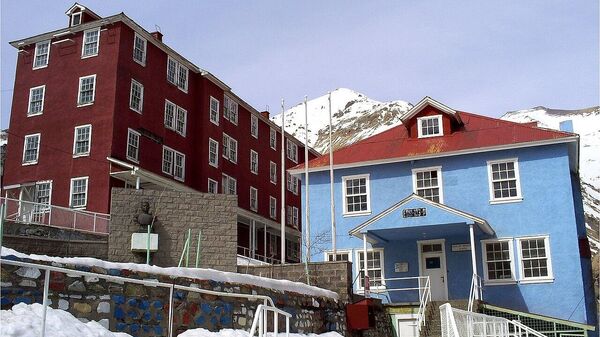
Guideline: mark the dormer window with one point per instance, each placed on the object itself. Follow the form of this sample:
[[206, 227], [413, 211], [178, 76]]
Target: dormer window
[[430, 126], [75, 19]]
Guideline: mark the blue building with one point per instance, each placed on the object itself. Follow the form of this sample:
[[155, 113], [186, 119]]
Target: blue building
[[456, 197]]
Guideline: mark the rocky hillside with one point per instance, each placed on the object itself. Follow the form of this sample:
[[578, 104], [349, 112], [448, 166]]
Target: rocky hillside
[[355, 117]]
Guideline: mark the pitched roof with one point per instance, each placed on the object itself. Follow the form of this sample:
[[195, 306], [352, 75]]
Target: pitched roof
[[477, 134]]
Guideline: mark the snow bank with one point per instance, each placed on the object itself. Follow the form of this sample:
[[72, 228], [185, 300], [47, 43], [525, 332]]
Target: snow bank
[[26, 321], [197, 273], [241, 333]]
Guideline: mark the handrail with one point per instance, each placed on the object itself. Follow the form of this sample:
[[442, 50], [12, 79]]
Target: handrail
[[82, 211], [424, 300], [519, 328], [260, 321], [121, 279]]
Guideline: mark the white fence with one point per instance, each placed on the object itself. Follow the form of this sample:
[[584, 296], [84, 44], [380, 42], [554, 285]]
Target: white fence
[[44, 214], [261, 319], [460, 323]]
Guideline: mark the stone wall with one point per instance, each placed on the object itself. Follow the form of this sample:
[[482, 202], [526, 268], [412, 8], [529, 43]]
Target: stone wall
[[176, 212], [53, 241], [334, 276], [143, 311]]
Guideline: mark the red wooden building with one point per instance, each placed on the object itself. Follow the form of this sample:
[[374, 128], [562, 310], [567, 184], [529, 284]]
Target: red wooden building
[[104, 103]]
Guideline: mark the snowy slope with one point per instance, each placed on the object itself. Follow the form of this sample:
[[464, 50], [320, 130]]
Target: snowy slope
[[586, 122], [354, 116]]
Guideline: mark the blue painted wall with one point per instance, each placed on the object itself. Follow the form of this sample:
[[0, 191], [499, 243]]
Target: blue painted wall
[[549, 207]]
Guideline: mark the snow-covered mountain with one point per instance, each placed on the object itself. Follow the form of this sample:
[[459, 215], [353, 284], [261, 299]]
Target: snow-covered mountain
[[356, 117], [586, 122]]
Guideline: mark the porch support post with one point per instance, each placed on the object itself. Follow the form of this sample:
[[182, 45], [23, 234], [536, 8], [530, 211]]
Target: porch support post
[[365, 262], [137, 183], [473, 255]]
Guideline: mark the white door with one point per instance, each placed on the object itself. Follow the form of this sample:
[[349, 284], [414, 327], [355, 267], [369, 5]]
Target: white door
[[433, 264], [407, 327]]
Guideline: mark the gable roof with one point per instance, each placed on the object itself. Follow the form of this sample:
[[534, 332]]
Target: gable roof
[[477, 134], [428, 101]]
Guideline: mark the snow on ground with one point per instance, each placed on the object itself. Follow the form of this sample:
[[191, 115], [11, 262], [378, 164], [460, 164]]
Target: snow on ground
[[26, 321], [197, 273], [241, 333]]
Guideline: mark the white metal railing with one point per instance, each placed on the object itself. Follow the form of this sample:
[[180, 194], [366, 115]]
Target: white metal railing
[[245, 251], [423, 288], [267, 304], [50, 215], [476, 291], [260, 321], [461, 323]]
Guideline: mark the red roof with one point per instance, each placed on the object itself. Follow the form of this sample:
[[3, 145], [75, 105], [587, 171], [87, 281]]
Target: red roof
[[477, 133]]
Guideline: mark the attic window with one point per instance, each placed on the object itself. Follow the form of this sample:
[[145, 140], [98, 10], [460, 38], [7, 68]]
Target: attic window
[[75, 19], [430, 126]]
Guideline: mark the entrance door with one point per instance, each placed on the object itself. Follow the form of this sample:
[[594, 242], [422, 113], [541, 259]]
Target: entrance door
[[433, 264], [407, 327]]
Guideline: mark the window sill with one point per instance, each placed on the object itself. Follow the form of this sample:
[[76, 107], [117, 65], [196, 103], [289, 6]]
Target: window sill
[[35, 114], [539, 280], [84, 104], [40, 67], [179, 179], [134, 110], [273, 182], [349, 215], [505, 201], [88, 56], [255, 173], [214, 165], [214, 122], [29, 163], [143, 64], [133, 160], [255, 136], [81, 155], [499, 283], [79, 208], [431, 136]]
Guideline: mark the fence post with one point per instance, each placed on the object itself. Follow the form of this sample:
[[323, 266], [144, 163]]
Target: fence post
[[275, 323], [45, 301], [171, 311]]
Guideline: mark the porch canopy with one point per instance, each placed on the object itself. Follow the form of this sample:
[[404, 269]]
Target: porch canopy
[[141, 178]]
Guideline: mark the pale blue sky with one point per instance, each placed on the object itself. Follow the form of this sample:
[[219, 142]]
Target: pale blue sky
[[486, 57]]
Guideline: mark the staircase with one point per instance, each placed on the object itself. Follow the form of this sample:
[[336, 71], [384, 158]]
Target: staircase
[[433, 326]]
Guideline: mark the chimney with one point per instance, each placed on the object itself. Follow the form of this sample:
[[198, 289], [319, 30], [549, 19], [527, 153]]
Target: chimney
[[265, 114], [157, 35]]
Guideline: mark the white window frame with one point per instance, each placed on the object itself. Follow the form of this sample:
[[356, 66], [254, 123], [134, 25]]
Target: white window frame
[[273, 139], [167, 149], [181, 112], [295, 217], [291, 151], [135, 159], [272, 207], [439, 177], [255, 206], [73, 15], [170, 124], [273, 172], [87, 188], [178, 71], [36, 54], [541, 279], [142, 62], [493, 199], [213, 118], [254, 126], [89, 150], [226, 184], [215, 184], [345, 202], [253, 168], [178, 156], [328, 253], [37, 151], [169, 61], [360, 265], [39, 209], [31, 90], [420, 120], [84, 56], [484, 260], [214, 163], [230, 148], [79, 104], [141, 89]]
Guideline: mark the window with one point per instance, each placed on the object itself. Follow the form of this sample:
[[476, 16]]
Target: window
[[292, 249], [179, 167], [430, 126], [173, 163], [170, 109], [292, 183], [253, 199], [273, 139], [43, 192], [230, 110], [177, 74], [254, 126], [213, 186], [213, 152], [498, 266], [175, 118], [139, 49], [79, 189], [273, 172], [230, 148], [31, 149], [167, 160], [295, 217], [87, 90], [374, 268], [91, 41], [339, 256], [82, 141], [273, 207], [180, 126], [504, 180], [356, 195], [534, 256], [42, 53], [288, 215], [136, 96], [253, 161], [75, 19], [214, 110], [427, 183], [229, 185], [36, 100], [133, 145], [292, 151]]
